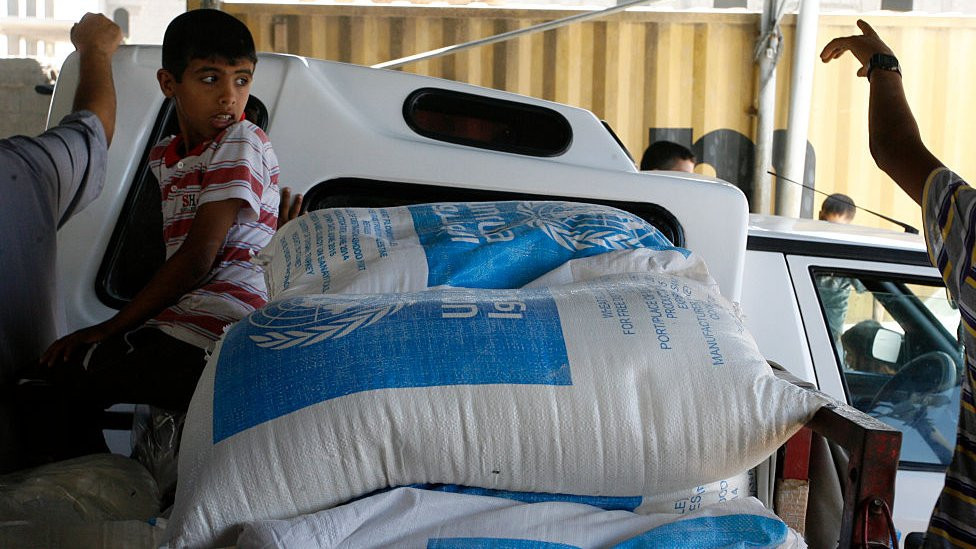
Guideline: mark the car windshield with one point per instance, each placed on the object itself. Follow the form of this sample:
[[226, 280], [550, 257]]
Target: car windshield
[[896, 343]]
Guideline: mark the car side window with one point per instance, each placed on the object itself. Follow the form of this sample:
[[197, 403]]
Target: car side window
[[895, 339]]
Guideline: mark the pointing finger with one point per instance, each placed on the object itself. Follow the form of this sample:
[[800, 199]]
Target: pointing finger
[[866, 28]]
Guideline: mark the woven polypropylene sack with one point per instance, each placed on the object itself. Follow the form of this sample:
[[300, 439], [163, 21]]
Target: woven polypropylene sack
[[626, 386], [471, 245], [407, 517]]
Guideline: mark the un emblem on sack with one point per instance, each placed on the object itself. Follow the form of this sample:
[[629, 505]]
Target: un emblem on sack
[[582, 226], [304, 321]]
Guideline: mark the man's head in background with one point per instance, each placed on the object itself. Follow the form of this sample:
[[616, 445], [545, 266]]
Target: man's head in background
[[838, 208], [665, 155]]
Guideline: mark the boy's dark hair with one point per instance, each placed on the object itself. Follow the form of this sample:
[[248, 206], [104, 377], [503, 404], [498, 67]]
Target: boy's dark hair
[[663, 155], [838, 204], [205, 34]]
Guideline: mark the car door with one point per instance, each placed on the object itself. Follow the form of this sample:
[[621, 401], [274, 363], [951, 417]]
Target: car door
[[883, 337]]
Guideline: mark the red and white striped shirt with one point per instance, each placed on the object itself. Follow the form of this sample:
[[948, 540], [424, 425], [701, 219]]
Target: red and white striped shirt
[[238, 163]]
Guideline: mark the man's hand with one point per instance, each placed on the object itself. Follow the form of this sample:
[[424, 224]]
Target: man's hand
[[68, 346], [96, 34], [96, 39], [862, 47], [288, 208]]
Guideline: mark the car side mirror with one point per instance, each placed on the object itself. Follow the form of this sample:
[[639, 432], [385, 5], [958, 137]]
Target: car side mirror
[[886, 345]]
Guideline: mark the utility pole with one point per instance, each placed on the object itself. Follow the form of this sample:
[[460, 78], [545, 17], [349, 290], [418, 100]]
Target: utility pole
[[788, 194], [767, 55]]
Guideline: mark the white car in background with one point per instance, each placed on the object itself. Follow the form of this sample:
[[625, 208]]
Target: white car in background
[[795, 270]]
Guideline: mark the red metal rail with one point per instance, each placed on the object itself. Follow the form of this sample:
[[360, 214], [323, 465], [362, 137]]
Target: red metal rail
[[869, 490]]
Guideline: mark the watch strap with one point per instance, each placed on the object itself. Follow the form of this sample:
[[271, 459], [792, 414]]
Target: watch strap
[[883, 61]]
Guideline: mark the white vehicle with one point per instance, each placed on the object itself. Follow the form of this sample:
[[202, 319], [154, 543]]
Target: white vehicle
[[795, 271], [351, 136]]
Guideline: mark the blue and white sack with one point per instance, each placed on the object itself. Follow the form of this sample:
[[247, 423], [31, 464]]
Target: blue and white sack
[[625, 386], [471, 245], [407, 517]]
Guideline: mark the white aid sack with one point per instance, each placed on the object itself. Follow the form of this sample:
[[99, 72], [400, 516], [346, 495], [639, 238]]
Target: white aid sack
[[638, 260], [471, 245], [407, 517], [627, 386], [677, 502]]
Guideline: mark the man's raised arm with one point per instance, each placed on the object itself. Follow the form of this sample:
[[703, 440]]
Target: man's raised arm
[[96, 38], [896, 144]]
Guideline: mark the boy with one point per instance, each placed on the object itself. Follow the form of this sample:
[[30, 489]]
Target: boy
[[218, 181]]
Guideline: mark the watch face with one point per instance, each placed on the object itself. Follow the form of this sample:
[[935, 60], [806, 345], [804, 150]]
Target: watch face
[[883, 61]]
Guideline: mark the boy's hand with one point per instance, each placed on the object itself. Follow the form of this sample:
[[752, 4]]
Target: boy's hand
[[863, 47], [288, 208], [96, 34], [65, 348]]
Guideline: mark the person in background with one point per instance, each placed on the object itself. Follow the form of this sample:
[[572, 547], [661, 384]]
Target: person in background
[[44, 181], [948, 205], [665, 155], [838, 208], [858, 342]]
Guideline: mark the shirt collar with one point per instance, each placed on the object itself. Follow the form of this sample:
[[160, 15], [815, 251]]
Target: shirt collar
[[172, 153]]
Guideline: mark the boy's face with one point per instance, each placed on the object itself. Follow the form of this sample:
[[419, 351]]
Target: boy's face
[[210, 96]]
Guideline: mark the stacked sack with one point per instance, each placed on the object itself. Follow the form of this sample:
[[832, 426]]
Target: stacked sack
[[467, 245], [406, 517], [637, 382]]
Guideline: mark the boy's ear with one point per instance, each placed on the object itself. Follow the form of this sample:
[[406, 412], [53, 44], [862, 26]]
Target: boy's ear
[[166, 82]]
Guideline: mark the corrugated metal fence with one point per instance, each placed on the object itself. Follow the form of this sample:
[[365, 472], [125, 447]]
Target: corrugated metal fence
[[649, 74]]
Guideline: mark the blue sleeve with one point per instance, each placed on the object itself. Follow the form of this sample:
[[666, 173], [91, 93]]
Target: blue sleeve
[[67, 162]]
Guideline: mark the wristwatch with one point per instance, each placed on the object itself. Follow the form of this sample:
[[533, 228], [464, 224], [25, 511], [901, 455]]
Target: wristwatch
[[884, 62]]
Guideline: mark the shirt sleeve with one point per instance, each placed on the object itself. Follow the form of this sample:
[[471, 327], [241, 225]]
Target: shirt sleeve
[[240, 169], [949, 205], [69, 161]]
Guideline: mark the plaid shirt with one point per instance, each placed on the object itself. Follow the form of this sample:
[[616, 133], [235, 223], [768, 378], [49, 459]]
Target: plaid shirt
[[949, 210]]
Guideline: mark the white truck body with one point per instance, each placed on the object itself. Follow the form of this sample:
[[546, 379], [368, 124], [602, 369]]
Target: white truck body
[[357, 130], [331, 121]]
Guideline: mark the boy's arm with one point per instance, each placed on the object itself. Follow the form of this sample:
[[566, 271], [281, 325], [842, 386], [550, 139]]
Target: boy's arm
[[181, 273]]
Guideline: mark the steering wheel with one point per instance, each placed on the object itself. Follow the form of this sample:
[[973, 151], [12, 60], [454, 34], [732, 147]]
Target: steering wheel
[[932, 372]]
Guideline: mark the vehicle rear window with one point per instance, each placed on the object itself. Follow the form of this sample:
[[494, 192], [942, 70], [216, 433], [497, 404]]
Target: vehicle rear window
[[487, 123]]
